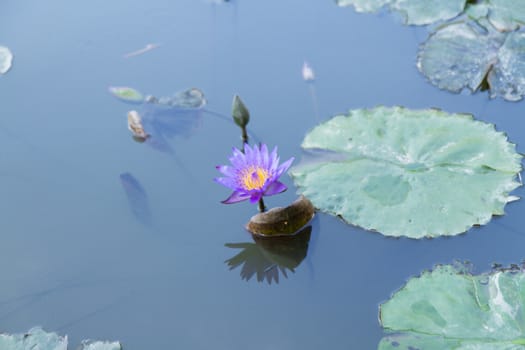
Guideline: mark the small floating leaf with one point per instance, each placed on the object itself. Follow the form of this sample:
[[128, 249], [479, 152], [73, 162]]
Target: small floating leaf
[[135, 125], [409, 173], [99, 345], [449, 308], [6, 59], [415, 12], [126, 94], [282, 221], [462, 55]]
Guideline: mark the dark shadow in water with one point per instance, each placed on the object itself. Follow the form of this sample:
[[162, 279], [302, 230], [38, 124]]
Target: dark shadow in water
[[268, 257], [137, 199]]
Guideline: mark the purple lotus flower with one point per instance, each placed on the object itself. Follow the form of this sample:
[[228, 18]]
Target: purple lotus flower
[[253, 174]]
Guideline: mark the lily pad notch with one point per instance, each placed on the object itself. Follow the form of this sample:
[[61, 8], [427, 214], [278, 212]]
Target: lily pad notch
[[412, 173]]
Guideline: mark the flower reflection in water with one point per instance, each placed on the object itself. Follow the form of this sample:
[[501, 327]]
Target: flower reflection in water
[[269, 257]]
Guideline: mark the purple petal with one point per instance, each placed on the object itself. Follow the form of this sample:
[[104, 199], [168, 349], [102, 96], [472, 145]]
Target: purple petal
[[284, 167], [265, 157], [227, 181], [254, 198], [226, 170], [274, 160], [238, 159], [235, 197], [248, 151], [274, 188]]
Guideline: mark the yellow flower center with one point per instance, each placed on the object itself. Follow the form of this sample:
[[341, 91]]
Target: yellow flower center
[[253, 178]]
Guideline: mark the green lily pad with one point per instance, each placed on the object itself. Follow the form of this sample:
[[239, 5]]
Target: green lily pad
[[6, 59], [126, 94], [414, 12], [449, 308], [38, 339], [504, 15], [35, 339], [414, 173], [467, 54], [99, 345]]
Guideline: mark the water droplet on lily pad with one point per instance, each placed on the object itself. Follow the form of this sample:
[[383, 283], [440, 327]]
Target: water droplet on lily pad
[[413, 173], [6, 59], [449, 309]]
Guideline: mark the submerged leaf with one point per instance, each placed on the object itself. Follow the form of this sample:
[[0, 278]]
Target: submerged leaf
[[126, 94], [449, 308], [6, 59], [464, 54], [137, 198], [187, 99], [409, 173], [415, 12]]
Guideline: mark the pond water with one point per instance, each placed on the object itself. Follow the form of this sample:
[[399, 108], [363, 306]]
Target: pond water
[[76, 258]]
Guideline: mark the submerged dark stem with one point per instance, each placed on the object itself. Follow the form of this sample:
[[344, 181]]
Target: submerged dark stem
[[262, 208]]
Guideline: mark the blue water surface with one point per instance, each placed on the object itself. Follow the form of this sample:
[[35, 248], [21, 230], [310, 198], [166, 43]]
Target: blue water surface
[[76, 259]]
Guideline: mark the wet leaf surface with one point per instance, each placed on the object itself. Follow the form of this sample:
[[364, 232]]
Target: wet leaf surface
[[414, 173], [414, 12], [38, 339], [449, 308], [467, 54]]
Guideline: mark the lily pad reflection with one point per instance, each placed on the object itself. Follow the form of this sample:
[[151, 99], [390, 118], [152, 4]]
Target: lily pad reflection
[[270, 256], [449, 308]]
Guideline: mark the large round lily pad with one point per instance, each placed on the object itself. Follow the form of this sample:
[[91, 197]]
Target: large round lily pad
[[449, 308], [414, 12], [467, 54], [414, 173]]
